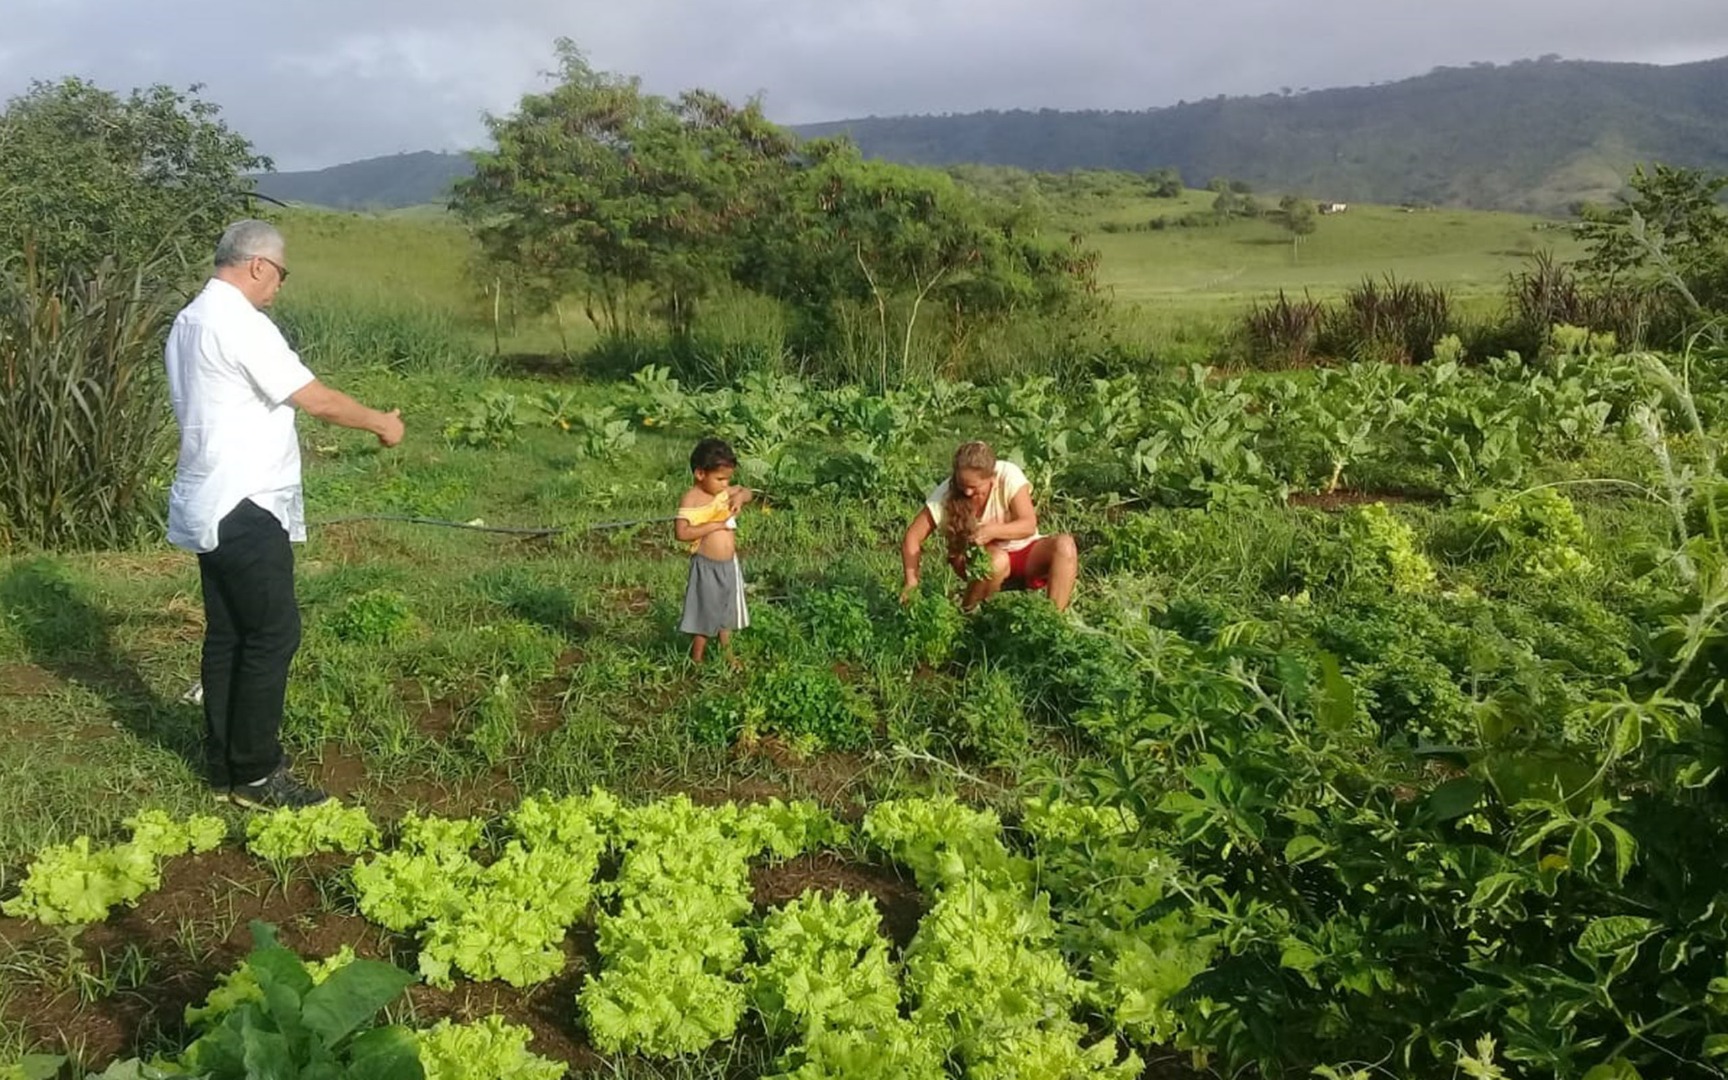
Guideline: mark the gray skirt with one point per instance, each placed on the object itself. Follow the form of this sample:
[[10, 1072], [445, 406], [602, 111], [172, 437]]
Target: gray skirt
[[714, 597]]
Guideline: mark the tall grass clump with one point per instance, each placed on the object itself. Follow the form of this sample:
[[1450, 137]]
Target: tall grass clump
[[85, 439], [1283, 332], [1550, 293], [352, 333], [1389, 321]]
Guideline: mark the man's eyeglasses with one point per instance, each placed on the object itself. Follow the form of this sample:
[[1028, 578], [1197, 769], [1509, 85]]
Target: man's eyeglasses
[[281, 271]]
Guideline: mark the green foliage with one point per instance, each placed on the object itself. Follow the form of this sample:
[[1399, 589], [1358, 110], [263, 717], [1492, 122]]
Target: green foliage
[[88, 176], [988, 719], [374, 617], [979, 563], [1670, 233], [428, 875], [33, 1067], [826, 967], [492, 421], [300, 1027], [827, 979], [930, 627], [596, 186], [489, 1049], [984, 971], [837, 622], [342, 333], [672, 954], [943, 841], [84, 434], [239, 986], [1539, 529], [1389, 544], [295, 834], [503, 920], [1063, 672], [808, 705], [1393, 321], [1283, 332], [74, 885], [865, 247]]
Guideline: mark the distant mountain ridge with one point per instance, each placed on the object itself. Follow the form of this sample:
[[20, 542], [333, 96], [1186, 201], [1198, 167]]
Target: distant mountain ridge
[[1532, 135], [381, 183]]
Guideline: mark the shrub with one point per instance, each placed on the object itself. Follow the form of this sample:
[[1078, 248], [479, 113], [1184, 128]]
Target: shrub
[[1061, 670], [988, 720], [85, 442], [1393, 321], [378, 617]]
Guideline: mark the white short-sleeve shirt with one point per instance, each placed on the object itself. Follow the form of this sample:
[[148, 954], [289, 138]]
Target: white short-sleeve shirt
[[1010, 480], [230, 375]]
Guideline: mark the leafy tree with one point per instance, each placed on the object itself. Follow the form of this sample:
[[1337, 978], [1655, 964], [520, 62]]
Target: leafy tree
[[1669, 231], [600, 188], [1231, 203], [1301, 219], [1164, 183], [87, 175], [846, 230]]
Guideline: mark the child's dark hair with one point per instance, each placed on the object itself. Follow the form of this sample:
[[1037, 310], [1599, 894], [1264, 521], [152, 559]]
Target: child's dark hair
[[712, 454]]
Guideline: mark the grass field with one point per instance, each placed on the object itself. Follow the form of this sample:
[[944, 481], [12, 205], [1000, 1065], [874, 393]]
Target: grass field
[[1168, 284], [1176, 271]]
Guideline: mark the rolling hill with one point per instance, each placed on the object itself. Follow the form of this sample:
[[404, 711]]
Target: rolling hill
[[1531, 136], [381, 183]]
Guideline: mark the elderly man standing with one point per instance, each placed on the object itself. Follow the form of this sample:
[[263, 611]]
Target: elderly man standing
[[236, 502]]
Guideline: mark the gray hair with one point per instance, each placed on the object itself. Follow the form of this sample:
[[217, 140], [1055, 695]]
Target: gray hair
[[248, 239]]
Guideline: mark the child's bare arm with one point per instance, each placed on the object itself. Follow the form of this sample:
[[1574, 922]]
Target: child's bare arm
[[688, 533], [738, 496]]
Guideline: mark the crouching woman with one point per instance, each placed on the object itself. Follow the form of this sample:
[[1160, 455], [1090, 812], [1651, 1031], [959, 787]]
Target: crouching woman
[[987, 504]]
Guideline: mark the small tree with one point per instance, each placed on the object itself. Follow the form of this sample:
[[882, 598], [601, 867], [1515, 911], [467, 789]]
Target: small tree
[[1164, 183], [1669, 231], [1301, 219], [897, 239], [595, 186]]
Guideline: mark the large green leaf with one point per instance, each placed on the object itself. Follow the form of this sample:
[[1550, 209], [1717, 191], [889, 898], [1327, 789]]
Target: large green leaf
[[386, 1053], [267, 1056], [1454, 798], [1538, 775], [351, 997], [42, 1066]]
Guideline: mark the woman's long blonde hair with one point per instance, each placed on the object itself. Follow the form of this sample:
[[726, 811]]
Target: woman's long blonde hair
[[959, 521]]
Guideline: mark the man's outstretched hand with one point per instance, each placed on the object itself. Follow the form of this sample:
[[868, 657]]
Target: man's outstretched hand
[[391, 429]]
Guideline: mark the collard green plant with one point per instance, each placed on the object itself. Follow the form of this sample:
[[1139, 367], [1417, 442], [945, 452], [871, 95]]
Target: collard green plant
[[298, 1027]]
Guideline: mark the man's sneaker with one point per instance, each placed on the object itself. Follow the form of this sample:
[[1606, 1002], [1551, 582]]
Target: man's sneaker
[[280, 790]]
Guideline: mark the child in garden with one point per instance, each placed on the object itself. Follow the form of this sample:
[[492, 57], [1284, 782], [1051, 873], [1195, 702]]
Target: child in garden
[[707, 519]]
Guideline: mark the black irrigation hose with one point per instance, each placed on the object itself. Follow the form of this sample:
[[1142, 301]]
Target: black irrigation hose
[[542, 530], [506, 530]]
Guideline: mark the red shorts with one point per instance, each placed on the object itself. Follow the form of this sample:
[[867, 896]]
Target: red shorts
[[1017, 562]]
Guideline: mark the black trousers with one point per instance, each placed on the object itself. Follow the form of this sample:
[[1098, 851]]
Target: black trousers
[[251, 632]]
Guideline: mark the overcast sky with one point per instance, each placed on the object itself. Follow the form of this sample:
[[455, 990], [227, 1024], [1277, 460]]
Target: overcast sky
[[318, 82]]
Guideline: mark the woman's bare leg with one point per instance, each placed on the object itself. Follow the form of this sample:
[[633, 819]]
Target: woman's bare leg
[[1056, 559]]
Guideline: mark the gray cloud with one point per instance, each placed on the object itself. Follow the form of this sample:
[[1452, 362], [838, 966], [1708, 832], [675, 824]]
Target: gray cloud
[[321, 81]]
